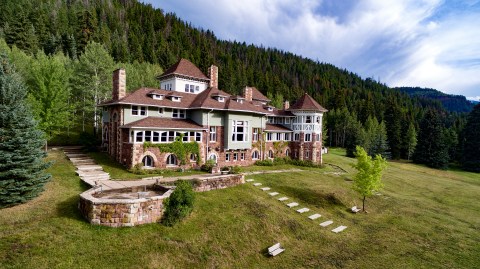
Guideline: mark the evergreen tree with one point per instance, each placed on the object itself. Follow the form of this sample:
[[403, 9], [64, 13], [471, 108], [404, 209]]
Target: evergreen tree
[[394, 126], [471, 144], [431, 148], [411, 140], [22, 167]]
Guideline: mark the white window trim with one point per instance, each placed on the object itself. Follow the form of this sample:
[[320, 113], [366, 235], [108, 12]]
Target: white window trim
[[179, 112], [214, 134], [245, 132], [139, 109]]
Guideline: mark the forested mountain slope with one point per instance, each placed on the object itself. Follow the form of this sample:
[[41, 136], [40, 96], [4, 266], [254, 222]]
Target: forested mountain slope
[[454, 103]]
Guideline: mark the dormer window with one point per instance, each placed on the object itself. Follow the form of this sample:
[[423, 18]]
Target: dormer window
[[219, 98], [157, 96], [270, 108], [175, 98]]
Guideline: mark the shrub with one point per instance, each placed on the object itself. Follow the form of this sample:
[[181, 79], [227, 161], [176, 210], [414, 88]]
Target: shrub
[[179, 204], [264, 163], [207, 167], [235, 169]]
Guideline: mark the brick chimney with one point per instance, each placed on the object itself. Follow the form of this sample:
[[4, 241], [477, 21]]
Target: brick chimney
[[286, 105], [213, 74], [119, 84], [248, 94]]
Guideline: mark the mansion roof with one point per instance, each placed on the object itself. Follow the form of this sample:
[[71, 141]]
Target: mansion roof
[[185, 68], [306, 102], [276, 128], [167, 123]]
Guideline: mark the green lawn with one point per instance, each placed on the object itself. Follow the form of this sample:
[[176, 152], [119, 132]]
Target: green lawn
[[424, 218]]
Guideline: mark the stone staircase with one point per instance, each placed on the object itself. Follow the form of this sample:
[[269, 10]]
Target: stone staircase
[[90, 172]]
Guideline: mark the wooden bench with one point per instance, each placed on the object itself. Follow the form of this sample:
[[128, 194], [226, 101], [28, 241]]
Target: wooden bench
[[275, 249]]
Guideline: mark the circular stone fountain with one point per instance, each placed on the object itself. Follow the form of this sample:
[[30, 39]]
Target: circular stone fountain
[[124, 207]]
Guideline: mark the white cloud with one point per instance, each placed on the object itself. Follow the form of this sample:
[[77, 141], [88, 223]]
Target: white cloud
[[410, 43]]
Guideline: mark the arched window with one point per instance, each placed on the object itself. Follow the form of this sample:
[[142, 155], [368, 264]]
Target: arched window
[[171, 160], [193, 157], [255, 155], [147, 161], [213, 157], [287, 152], [270, 154], [105, 134]]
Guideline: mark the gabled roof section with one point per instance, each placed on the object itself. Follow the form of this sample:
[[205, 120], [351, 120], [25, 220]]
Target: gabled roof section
[[164, 123], [306, 102], [184, 68], [276, 128], [257, 95]]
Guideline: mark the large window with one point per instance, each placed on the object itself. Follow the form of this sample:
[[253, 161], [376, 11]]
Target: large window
[[308, 137], [227, 157], [255, 134], [296, 137], [270, 154], [308, 119], [147, 161], [166, 136], [139, 110], [171, 160], [178, 114], [190, 88], [269, 136], [240, 131], [213, 134], [255, 155]]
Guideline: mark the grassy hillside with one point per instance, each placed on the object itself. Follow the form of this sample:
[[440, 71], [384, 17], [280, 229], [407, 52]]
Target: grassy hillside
[[424, 218]]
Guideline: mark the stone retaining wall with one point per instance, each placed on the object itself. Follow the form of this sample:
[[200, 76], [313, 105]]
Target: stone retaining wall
[[218, 182], [121, 212]]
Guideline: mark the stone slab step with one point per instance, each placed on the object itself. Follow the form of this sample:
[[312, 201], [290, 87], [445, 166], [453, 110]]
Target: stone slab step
[[326, 223], [282, 199], [265, 189], [273, 193], [89, 167], [292, 204], [314, 216], [249, 180], [76, 155], [91, 173], [339, 229], [303, 210], [257, 184]]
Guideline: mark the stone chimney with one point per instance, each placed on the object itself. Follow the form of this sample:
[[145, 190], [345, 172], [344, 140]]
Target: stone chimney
[[119, 84], [286, 105], [213, 74], [248, 94]]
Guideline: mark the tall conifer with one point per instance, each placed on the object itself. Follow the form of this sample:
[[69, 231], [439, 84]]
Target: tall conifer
[[471, 146], [21, 158], [431, 148]]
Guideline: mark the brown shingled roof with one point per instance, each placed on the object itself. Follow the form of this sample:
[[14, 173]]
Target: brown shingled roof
[[276, 128], [186, 68], [257, 95], [308, 103], [164, 123]]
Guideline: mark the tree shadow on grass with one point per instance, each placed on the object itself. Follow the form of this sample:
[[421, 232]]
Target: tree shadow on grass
[[68, 208], [317, 198]]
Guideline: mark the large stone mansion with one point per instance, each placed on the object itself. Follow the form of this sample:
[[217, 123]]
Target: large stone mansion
[[231, 130]]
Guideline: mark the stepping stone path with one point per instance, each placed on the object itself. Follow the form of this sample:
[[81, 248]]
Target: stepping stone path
[[303, 210], [265, 189], [283, 199], [257, 184], [249, 180], [88, 171], [292, 204], [326, 223], [314, 216], [339, 229], [273, 193]]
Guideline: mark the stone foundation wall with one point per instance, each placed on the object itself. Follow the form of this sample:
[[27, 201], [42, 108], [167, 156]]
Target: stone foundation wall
[[121, 212], [131, 212], [218, 182]]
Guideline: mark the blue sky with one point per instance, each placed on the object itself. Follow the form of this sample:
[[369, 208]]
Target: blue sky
[[426, 43]]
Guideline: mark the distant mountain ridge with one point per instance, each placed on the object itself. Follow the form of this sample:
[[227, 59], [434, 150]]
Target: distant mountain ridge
[[451, 102]]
